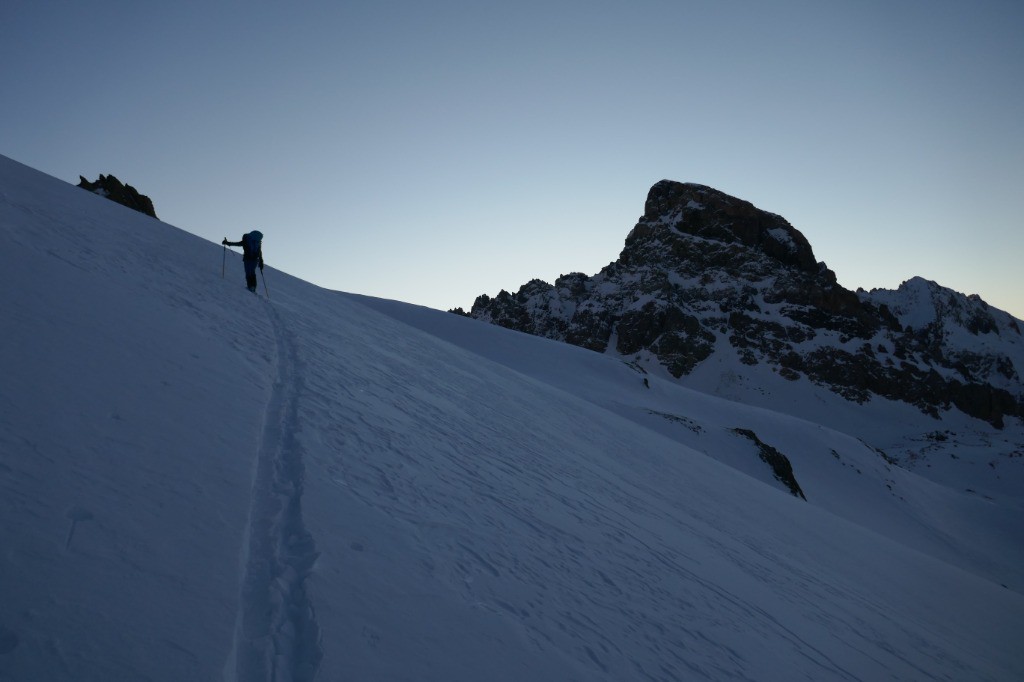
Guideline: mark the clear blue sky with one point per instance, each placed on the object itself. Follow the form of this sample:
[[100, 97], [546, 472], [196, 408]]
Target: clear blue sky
[[433, 151]]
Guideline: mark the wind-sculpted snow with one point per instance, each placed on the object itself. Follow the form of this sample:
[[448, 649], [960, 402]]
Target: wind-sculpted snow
[[557, 526], [200, 484]]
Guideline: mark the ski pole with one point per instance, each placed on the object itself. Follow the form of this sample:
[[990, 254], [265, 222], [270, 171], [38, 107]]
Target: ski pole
[[224, 262], [264, 278]]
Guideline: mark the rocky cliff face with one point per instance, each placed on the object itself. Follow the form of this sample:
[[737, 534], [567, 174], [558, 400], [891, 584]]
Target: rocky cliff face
[[110, 187], [703, 272]]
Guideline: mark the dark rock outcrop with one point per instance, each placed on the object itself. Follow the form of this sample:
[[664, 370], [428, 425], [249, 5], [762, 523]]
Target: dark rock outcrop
[[780, 465], [703, 272], [110, 187]]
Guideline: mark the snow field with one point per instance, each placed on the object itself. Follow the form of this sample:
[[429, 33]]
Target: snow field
[[197, 483]]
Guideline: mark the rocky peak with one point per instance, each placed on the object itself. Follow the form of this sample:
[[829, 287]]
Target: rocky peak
[[704, 212], [110, 187], [704, 273], [919, 302], [981, 342]]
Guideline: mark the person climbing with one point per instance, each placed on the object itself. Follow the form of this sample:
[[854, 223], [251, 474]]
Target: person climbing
[[252, 255]]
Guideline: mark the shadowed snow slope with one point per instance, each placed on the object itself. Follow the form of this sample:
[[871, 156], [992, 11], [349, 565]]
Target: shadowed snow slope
[[198, 483]]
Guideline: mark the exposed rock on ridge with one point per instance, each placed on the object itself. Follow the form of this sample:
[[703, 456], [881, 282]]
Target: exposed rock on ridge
[[703, 272], [110, 187]]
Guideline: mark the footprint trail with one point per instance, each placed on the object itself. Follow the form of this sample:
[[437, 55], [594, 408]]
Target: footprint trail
[[277, 634]]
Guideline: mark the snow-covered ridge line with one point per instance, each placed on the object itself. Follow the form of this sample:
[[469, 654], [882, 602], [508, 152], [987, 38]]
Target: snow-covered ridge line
[[278, 637]]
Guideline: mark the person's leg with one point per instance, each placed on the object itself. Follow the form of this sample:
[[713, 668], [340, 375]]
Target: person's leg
[[250, 274]]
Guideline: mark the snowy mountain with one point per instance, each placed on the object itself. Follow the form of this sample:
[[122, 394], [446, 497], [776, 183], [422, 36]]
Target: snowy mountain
[[201, 484], [967, 335], [704, 274], [730, 300]]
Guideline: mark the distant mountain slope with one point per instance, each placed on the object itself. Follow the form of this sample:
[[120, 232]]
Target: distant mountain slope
[[200, 484], [704, 274], [972, 338]]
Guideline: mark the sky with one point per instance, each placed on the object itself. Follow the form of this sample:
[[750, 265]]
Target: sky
[[432, 152]]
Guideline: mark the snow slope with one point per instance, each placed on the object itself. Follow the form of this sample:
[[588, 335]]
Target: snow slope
[[201, 484]]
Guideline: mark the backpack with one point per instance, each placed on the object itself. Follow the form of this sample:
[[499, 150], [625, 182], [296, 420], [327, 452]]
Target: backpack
[[252, 243]]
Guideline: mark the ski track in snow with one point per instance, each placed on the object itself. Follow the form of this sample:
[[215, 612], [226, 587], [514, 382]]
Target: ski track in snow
[[277, 635]]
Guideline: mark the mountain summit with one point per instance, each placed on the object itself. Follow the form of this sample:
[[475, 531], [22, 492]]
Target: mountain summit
[[706, 274]]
